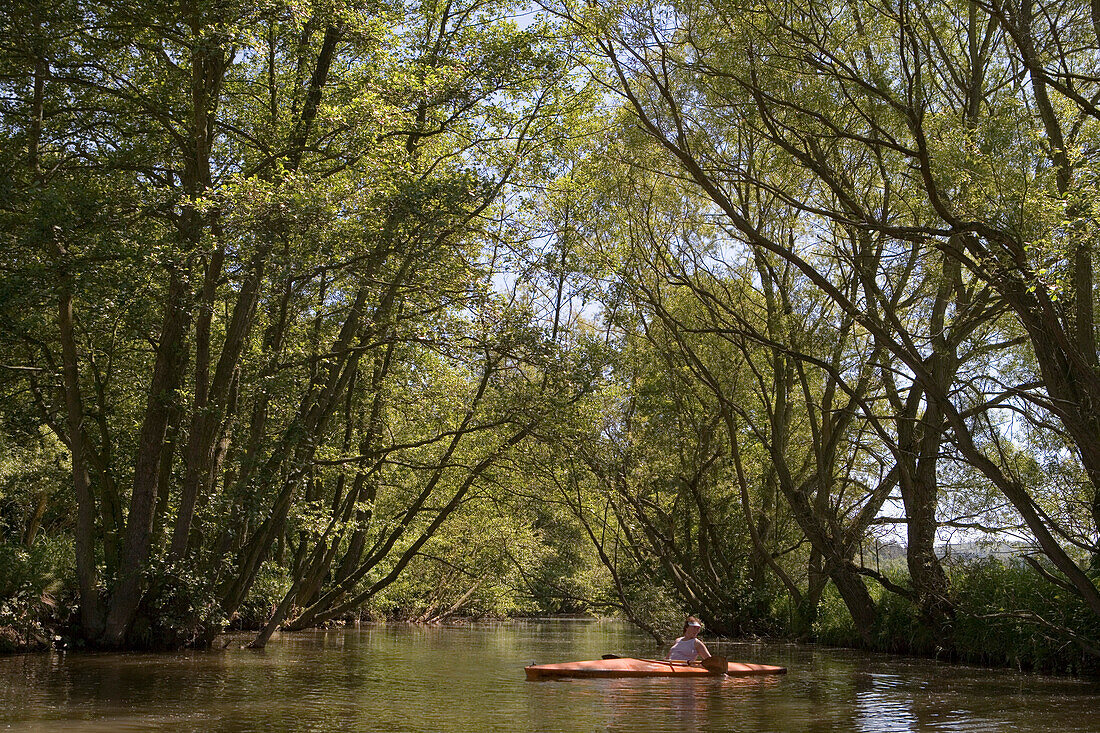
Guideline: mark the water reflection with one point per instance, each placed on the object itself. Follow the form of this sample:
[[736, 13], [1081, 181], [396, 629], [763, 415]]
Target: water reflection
[[883, 704], [471, 679]]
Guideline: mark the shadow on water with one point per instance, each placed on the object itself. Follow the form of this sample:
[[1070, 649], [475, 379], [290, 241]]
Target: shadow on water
[[470, 678]]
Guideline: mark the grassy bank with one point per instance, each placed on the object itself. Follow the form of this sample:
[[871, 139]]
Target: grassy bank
[[1006, 615]]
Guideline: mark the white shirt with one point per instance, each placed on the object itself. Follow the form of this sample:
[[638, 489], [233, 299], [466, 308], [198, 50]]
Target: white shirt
[[683, 650]]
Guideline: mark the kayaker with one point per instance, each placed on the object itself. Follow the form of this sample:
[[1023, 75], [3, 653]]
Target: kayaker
[[688, 646]]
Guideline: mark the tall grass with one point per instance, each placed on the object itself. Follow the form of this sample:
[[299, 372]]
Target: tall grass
[[1006, 615]]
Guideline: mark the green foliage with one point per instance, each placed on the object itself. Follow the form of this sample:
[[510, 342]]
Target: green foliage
[[657, 606], [899, 628], [833, 625], [33, 476], [180, 611], [35, 592], [562, 575], [1006, 614], [440, 326], [1009, 615], [272, 583]]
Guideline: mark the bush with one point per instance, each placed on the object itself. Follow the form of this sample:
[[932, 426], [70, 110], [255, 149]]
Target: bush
[[33, 583], [899, 629], [833, 625], [181, 610], [1007, 614], [271, 584]]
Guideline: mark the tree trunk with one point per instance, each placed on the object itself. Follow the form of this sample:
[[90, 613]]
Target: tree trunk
[[167, 374], [91, 611]]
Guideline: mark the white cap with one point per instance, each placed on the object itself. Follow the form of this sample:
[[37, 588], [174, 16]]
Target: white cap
[[694, 623]]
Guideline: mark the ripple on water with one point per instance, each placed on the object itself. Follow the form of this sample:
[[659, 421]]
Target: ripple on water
[[470, 678]]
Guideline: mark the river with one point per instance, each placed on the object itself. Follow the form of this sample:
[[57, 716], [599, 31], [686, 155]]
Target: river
[[470, 678]]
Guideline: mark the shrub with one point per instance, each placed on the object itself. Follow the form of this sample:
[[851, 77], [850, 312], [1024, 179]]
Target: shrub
[[33, 591], [833, 625], [271, 584], [1009, 615]]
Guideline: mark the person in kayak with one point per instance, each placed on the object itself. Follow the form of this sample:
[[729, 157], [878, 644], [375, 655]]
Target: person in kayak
[[688, 647]]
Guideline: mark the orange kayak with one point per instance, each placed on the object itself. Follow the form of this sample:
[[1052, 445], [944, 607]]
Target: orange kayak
[[630, 667]]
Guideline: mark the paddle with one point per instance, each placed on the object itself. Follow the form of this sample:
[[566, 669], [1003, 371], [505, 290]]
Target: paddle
[[718, 665]]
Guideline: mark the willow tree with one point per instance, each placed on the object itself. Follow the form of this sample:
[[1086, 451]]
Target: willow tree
[[953, 136], [785, 378], [235, 224]]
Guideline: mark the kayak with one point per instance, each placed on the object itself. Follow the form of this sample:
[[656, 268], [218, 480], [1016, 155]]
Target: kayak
[[630, 667]]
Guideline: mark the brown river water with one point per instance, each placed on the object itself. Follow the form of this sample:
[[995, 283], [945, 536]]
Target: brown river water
[[470, 678]]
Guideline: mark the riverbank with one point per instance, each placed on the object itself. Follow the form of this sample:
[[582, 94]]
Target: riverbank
[[469, 677], [1008, 642]]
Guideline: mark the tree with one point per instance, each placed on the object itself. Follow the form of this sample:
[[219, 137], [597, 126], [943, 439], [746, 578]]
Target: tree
[[862, 114], [257, 217]]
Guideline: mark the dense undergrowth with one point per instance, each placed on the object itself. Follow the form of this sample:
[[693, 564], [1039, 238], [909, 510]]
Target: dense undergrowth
[[35, 593], [1006, 615]]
